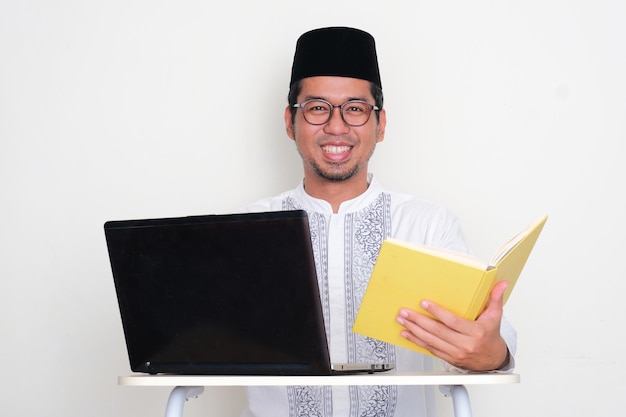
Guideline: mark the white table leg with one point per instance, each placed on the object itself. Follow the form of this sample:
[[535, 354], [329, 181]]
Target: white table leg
[[178, 396], [460, 399]]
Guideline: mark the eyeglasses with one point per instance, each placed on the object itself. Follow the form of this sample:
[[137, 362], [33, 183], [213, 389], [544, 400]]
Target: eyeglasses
[[354, 112]]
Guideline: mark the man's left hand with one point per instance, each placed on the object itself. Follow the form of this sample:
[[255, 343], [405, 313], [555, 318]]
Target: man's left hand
[[472, 345]]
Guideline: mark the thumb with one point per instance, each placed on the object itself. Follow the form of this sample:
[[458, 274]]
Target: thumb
[[497, 294], [496, 298]]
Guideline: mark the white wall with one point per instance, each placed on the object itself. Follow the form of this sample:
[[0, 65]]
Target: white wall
[[125, 109]]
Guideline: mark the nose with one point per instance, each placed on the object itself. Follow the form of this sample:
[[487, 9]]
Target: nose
[[336, 125]]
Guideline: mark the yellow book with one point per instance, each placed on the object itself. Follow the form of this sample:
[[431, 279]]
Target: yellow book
[[407, 273]]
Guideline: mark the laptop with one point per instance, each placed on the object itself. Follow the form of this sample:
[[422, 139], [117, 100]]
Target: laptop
[[231, 294]]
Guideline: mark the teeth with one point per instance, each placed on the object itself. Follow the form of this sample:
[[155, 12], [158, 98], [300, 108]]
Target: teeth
[[335, 149]]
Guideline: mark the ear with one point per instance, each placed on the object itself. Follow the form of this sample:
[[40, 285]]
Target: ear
[[289, 123], [382, 123]]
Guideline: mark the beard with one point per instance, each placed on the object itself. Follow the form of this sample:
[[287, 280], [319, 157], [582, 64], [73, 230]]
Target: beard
[[336, 171]]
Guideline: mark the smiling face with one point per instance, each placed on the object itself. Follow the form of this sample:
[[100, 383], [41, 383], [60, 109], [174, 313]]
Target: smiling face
[[335, 152]]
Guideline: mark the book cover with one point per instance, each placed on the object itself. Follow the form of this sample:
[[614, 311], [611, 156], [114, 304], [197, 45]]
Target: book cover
[[407, 273]]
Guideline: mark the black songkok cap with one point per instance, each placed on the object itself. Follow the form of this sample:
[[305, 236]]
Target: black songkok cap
[[336, 51]]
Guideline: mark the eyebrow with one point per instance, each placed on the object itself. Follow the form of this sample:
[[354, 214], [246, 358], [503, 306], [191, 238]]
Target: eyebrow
[[309, 97]]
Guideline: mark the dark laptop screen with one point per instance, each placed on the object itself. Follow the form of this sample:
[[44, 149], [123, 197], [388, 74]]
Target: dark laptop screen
[[220, 294]]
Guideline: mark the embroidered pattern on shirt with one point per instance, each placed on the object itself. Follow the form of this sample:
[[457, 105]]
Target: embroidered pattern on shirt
[[312, 400], [364, 233], [306, 401]]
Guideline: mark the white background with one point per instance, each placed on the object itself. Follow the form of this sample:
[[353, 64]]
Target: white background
[[501, 110]]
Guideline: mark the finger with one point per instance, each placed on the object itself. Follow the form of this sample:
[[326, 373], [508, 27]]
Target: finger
[[436, 346], [445, 316], [496, 299], [425, 332], [497, 294]]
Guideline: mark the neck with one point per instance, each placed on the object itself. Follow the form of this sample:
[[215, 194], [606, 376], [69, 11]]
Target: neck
[[336, 192]]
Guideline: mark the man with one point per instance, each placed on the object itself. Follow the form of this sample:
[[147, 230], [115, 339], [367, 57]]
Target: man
[[335, 117]]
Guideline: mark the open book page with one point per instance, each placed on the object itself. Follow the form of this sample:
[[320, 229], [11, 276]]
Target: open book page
[[461, 257], [515, 240]]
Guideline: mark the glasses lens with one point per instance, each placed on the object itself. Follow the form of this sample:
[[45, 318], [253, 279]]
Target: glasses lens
[[356, 113], [317, 112]]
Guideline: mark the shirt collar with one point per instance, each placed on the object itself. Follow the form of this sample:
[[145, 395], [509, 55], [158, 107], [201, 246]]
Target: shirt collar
[[348, 206]]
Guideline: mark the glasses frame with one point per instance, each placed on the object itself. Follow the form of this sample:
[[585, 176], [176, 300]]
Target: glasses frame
[[333, 107]]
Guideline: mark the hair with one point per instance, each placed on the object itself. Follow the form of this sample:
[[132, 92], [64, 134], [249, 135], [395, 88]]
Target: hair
[[296, 87]]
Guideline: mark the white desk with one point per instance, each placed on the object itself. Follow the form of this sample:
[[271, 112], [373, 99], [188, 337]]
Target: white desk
[[450, 384]]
